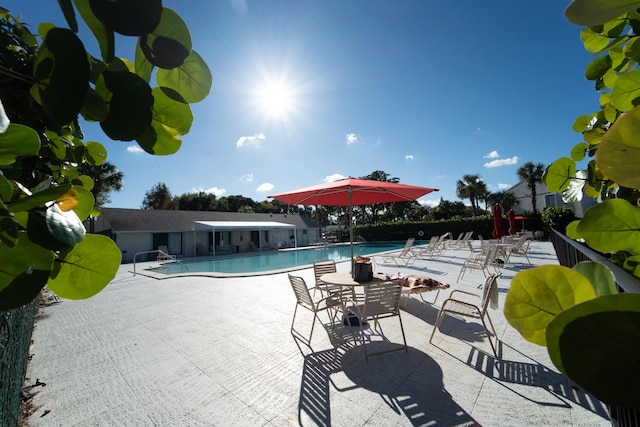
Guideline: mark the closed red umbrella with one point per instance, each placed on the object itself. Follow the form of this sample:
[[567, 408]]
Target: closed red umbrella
[[353, 192], [512, 222], [497, 222]]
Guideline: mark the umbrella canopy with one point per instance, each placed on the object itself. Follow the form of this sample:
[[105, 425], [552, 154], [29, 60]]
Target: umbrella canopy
[[497, 222], [523, 218], [512, 222], [353, 192]]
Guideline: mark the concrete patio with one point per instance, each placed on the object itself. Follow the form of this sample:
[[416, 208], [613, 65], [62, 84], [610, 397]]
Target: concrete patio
[[202, 351]]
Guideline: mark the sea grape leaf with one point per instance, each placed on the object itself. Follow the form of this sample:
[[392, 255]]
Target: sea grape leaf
[[192, 80], [626, 90], [86, 269], [559, 174], [18, 140], [602, 279], [129, 106], [39, 198], [594, 42], [596, 344], [572, 230], [128, 17], [594, 12], [95, 153], [24, 271], [537, 295], [618, 154], [62, 71], [581, 123], [579, 151], [169, 44], [64, 225], [611, 226]]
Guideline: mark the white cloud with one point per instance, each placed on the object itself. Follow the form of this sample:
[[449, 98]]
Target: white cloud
[[247, 177], [213, 190], [492, 155], [501, 162], [334, 177], [133, 148], [351, 138], [265, 186], [429, 203], [254, 140], [408, 157], [504, 186]]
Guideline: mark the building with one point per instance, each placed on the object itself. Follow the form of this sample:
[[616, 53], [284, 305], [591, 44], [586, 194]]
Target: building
[[545, 198], [203, 233]]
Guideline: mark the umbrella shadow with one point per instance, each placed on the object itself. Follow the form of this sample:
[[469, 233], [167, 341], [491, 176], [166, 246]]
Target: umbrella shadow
[[409, 383], [533, 374]]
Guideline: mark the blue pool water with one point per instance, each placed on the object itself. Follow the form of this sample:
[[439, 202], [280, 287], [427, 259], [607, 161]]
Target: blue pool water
[[283, 259]]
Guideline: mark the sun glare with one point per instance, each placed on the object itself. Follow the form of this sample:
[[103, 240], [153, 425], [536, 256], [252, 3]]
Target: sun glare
[[276, 100]]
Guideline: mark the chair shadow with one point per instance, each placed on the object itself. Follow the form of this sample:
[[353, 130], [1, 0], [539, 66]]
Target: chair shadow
[[409, 383], [534, 374]]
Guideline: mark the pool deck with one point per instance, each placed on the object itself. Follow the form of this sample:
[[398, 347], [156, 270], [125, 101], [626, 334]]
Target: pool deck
[[203, 351]]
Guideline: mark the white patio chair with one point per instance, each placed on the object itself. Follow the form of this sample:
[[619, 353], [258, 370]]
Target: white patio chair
[[163, 254], [305, 300], [477, 310], [381, 300], [324, 267], [405, 257], [479, 261]]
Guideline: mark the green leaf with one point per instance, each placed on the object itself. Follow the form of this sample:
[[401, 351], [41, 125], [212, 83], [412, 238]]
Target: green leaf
[[62, 71], [595, 12], [611, 226], [64, 225], [572, 230], [24, 271], [559, 174], [39, 198], [602, 279], [192, 80], [598, 67], [69, 15], [626, 90], [18, 140], [8, 227], [579, 151], [537, 295], [95, 153], [87, 268], [594, 42], [129, 106], [169, 44], [632, 49], [596, 344], [128, 17], [85, 201], [582, 123], [142, 65], [100, 32], [94, 107], [618, 154]]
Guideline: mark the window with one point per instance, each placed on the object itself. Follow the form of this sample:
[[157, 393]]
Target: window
[[173, 242]]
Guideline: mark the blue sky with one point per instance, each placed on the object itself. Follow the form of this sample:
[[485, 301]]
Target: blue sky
[[304, 91]]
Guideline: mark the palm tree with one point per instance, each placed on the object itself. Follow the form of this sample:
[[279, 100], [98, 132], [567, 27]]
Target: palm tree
[[532, 175], [471, 187], [106, 178], [505, 198]]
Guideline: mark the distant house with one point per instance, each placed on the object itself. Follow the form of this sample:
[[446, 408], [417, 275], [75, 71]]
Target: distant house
[[203, 233], [545, 198]]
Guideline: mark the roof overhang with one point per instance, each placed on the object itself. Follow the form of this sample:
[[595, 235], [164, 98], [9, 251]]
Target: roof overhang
[[241, 225]]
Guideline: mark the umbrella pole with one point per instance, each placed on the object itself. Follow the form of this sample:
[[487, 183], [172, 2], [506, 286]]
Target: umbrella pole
[[351, 227]]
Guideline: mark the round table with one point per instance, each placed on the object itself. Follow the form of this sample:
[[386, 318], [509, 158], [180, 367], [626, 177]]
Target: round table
[[343, 278]]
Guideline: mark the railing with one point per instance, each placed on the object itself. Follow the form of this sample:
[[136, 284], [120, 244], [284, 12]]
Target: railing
[[570, 252], [16, 327], [157, 251]]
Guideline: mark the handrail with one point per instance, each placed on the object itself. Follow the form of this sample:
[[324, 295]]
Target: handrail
[[141, 253], [570, 252]]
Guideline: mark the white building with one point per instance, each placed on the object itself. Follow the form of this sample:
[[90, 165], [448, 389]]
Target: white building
[[545, 198]]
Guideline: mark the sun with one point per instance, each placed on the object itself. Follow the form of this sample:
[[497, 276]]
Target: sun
[[276, 99]]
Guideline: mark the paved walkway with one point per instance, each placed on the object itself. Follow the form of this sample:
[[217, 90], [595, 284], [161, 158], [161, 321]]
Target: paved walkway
[[201, 351]]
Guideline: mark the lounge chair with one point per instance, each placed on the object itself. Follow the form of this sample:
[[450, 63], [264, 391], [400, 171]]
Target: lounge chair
[[417, 285], [479, 261], [433, 249], [405, 257], [163, 254]]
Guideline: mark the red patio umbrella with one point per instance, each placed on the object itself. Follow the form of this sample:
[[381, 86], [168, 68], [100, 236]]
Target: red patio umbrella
[[512, 222], [522, 217], [497, 222], [353, 192]]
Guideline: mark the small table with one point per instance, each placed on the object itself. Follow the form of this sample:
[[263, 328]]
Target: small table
[[344, 279]]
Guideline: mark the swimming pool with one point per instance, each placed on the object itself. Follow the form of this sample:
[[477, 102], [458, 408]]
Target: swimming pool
[[282, 260]]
